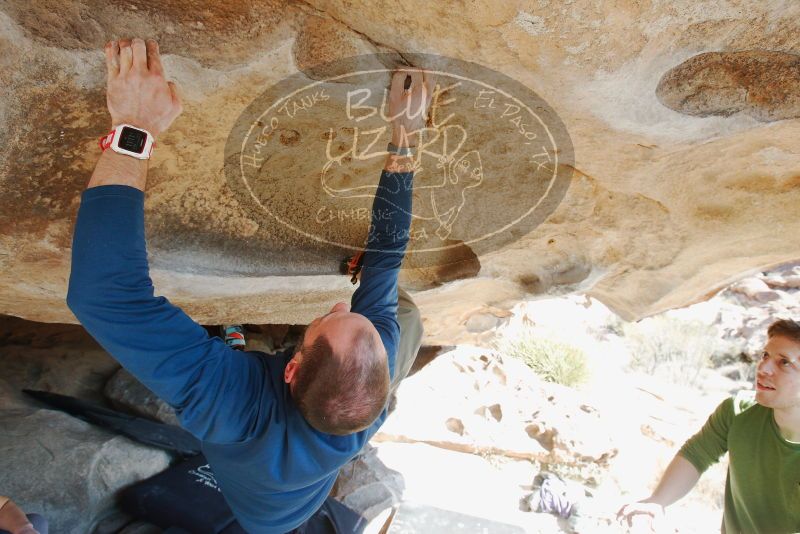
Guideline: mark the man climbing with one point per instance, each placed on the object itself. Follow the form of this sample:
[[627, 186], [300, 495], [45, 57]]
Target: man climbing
[[275, 430], [761, 432]]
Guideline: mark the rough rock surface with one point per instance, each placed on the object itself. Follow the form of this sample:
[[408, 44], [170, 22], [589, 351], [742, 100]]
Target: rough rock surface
[[743, 312], [367, 486], [128, 394], [85, 467], [497, 406], [763, 84], [52, 463], [663, 209]]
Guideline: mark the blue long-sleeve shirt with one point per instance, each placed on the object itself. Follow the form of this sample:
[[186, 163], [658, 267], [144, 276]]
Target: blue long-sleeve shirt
[[274, 469]]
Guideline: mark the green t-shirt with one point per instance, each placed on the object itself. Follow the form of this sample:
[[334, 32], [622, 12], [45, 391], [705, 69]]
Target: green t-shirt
[[762, 492]]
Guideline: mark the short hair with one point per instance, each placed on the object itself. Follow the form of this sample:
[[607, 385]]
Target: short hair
[[342, 393], [786, 328]]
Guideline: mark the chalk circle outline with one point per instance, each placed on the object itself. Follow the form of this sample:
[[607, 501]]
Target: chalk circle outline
[[558, 183]]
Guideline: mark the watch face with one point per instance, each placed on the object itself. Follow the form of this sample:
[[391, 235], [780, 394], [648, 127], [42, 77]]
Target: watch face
[[132, 140]]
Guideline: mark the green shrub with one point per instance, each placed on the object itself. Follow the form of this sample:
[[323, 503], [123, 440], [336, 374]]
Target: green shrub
[[671, 348], [552, 360]]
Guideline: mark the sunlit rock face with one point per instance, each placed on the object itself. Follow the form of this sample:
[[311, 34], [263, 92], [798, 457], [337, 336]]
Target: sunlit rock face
[[682, 118], [763, 84]]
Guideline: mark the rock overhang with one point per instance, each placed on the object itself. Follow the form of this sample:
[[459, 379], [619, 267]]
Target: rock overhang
[[664, 207]]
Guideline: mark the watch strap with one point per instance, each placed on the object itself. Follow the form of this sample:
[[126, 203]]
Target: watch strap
[[401, 151], [106, 140]]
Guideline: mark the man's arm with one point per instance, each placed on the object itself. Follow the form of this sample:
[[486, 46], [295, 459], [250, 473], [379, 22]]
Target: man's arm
[[216, 391], [376, 296], [697, 454], [677, 481]]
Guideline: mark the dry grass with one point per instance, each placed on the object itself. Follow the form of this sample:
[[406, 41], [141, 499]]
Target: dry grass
[[672, 349], [553, 361]]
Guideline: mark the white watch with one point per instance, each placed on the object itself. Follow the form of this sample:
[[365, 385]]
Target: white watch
[[129, 140]]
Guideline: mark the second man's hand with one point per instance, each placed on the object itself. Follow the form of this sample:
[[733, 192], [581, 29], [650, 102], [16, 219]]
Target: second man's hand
[[641, 517]]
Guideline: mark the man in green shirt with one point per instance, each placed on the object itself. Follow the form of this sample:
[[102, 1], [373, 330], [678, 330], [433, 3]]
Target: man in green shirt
[[761, 432]]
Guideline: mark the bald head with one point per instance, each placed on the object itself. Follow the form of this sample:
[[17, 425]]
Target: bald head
[[339, 377]]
